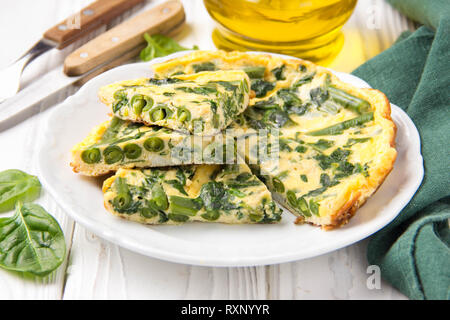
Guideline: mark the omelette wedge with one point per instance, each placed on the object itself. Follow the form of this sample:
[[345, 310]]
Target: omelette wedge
[[117, 143], [203, 103], [206, 193]]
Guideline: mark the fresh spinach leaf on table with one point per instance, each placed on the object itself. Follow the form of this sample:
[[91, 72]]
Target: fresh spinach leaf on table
[[160, 46], [31, 241], [17, 185]]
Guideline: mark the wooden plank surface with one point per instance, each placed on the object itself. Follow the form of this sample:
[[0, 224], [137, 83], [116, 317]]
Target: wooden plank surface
[[97, 269]]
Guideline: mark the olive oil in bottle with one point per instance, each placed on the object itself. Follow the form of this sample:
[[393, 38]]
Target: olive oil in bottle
[[309, 29]]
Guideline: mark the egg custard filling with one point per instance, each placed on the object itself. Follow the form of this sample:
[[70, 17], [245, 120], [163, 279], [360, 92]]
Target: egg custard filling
[[117, 143], [205, 193], [203, 103]]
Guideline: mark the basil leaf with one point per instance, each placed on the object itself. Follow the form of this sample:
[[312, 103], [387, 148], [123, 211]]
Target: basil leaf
[[17, 185], [160, 46], [31, 241]]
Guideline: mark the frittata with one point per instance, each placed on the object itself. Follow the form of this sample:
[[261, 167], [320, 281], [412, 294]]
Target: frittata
[[203, 103], [206, 193], [336, 142], [324, 149], [117, 143]]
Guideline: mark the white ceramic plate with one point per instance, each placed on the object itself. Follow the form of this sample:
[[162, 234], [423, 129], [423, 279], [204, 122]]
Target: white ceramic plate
[[210, 244]]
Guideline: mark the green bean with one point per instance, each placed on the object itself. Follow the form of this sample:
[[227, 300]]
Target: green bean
[[255, 217], [183, 114], [120, 185], [159, 113], [120, 94], [303, 206], [341, 126], [123, 198], [215, 120], [112, 154], [292, 199], [314, 207], [278, 185], [122, 201], [306, 79], [132, 151], [148, 212], [205, 66], [117, 105], [139, 102], [255, 72], [349, 101], [183, 206], [91, 155], [178, 217], [154, 144], [159, 197], [121, 99], [245, 86], [211, 215]]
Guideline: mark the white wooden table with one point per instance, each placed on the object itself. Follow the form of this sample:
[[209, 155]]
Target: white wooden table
[[97, 269]]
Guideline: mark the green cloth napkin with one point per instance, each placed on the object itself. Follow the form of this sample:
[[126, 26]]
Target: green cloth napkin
[[413, 251]]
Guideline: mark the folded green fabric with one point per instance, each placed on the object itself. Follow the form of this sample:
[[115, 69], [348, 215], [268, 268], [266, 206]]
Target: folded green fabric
[[413, 251], [427, 12]]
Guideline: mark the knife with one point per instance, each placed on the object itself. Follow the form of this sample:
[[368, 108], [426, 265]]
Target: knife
[[61, 35], [110, 49]]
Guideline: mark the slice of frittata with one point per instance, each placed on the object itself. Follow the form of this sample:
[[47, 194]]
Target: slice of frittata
[[334, 147], [207, 193], [203, 103], [117, 143]]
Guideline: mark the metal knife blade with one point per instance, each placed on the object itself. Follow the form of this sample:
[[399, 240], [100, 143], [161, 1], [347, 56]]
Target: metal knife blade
[[61, 35], [22, 104], [25, 103]]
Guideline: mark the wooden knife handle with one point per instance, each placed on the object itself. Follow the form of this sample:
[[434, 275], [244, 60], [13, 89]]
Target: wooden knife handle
[[124, 37], [87, 20]]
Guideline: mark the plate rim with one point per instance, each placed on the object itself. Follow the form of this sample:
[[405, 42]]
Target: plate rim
[[153, 252]]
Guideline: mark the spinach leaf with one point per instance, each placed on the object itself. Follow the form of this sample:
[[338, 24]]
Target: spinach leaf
[[215, 196], [278, 72], [177, 185], [322, 144], [16, 185], [160, 46], [205, 66], [261, 87], [255, 72], [289, 97], [319, 95], [31, 241], [114, 127], [276, 118], [326, 181]]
